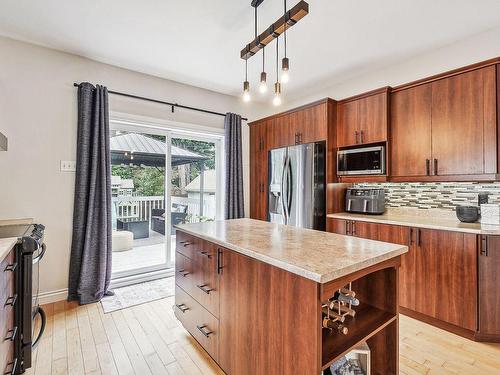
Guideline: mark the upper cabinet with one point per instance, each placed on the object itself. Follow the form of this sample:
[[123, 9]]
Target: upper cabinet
[[464, 123], [363, 119], [446, 129]]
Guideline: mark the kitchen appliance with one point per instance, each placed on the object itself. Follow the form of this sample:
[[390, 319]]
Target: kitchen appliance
[[467, 214], [359, 161], [297, 185], [29, 251], [365, 200]]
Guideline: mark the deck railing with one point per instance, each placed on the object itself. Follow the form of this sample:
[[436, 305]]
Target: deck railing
[[140, 207]]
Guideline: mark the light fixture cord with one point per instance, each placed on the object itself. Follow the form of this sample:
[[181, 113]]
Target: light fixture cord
[[263, 59], [286, 24], [255, 22], [277, 59]]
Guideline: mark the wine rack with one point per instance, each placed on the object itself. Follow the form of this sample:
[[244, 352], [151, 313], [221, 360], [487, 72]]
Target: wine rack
[[339, 307]]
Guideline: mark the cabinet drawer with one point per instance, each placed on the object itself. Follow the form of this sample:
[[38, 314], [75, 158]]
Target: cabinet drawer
[[206, 281], [200, 323], [7, 270], [186, 244], [185, 272]]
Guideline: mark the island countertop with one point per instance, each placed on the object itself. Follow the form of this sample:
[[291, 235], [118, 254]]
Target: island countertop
[[315, 255]]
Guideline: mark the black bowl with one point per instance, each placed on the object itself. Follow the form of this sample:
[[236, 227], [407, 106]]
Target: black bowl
[[468, 214]]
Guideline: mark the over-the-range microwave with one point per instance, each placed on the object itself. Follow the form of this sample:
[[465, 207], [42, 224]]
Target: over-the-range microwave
[[358, 161]]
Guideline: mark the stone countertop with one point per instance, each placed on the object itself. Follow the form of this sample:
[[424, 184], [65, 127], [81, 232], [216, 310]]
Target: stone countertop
[[6, 245], [315, 255], [429, 220]]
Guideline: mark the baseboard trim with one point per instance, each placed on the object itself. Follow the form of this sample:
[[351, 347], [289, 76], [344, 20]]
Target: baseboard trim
[[53, 296]]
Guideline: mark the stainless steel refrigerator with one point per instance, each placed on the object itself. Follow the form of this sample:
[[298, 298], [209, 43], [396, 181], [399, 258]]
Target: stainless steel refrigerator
[[297, 185]]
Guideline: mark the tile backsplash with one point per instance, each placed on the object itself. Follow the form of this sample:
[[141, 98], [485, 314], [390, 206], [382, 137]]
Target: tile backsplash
[[441, 195]]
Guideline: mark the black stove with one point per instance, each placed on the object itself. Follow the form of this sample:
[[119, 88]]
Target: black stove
[[29, 251]]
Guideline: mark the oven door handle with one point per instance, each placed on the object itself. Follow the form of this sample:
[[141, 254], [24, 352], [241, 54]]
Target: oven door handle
[[40, 256], [43, 317]]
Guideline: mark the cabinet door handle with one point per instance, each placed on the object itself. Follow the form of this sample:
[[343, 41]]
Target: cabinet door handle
[[353, 228], [205, 331], [435, 167], [11, 301], [10, 267], [428, 167], [13, 368], [361, 136], [300, 137], [484, 246], [410, 237], [347, 227], [205, 253], [204, 288], [219, 261], [356, 136], [12, 334], [182, 307]]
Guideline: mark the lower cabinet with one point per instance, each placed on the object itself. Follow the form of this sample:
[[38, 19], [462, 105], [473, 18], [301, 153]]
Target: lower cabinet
[[440, 275]]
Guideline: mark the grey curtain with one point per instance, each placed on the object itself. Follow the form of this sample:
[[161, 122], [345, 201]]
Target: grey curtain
[[90, 264], [234, 167]]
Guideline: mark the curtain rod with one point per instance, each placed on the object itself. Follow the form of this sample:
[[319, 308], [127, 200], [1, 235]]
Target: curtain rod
[[173, 105]]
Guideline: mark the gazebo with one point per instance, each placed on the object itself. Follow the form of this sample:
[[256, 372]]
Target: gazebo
[[133, 149]]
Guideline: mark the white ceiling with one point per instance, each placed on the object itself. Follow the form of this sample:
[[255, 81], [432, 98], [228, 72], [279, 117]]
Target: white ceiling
[[198, 41]]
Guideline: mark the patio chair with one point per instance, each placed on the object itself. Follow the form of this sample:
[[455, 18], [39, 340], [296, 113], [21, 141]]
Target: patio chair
[[178, 216]]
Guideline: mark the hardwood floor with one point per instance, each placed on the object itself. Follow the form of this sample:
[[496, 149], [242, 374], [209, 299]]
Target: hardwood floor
[[147, 339]]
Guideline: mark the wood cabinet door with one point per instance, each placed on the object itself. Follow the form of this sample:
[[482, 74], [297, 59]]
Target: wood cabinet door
[[338, 226], [279, 132], [372, 118], [312, 123], [347, 124], [464, 123], [489, 280], [407, 281], [364, 230], [258, 170], [446, 276], [238, 317], [411, 131]]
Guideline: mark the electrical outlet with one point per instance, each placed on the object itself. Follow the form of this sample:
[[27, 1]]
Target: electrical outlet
[[68, 166]]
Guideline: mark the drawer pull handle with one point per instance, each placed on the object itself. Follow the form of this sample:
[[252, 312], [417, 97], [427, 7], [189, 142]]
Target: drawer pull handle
[[13, 368], [13, 334], [182, 307], [10, 267], [209, 256], [204, 288], [11, 301], [183, 272], [206, 333]]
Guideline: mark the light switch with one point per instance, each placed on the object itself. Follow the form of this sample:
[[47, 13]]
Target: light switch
[[68, 166]]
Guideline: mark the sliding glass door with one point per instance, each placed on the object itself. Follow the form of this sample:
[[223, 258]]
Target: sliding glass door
[[160, 178]]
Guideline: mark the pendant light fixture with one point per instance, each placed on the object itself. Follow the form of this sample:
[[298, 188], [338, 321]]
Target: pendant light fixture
[[260, 41], [277, 85], [246, 84], [285, 64], [263, 74]]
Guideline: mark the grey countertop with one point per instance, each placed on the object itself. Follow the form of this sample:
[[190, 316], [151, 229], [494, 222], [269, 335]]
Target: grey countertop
[[315, 255]]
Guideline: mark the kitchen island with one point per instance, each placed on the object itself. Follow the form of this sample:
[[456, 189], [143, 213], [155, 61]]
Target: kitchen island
[[255, 295]]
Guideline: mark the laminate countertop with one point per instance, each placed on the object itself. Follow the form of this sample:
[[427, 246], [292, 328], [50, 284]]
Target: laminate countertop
[[5, 222], [422, 221], [315, 255], [6, 245]]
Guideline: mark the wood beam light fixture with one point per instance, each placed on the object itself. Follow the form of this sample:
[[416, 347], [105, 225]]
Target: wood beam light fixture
[[260, 41]]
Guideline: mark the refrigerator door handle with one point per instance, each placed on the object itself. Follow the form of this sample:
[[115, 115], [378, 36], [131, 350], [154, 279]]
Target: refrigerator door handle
[[283, 194], [289, 187]]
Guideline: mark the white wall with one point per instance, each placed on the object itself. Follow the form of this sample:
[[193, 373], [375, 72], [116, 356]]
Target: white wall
[[467, 51], [38, 113]]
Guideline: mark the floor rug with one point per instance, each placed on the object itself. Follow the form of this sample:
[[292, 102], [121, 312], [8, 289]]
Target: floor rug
[[137, 294]]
